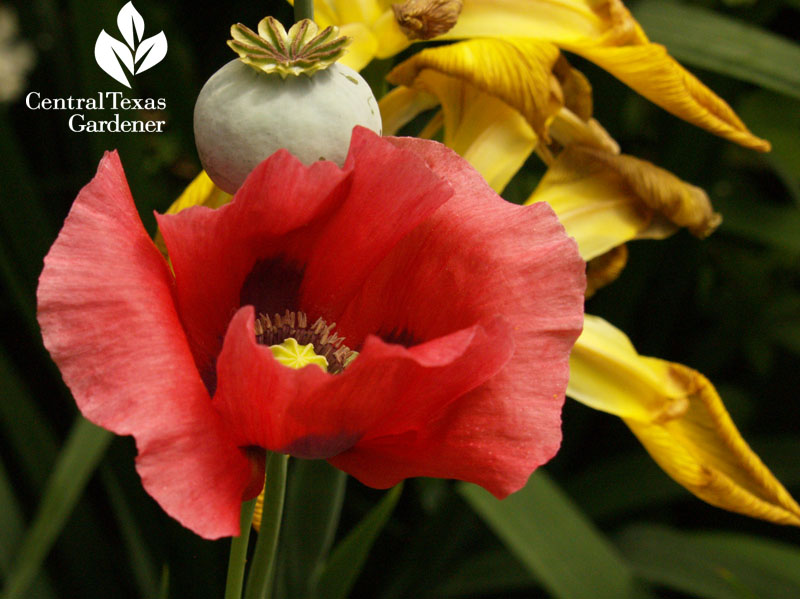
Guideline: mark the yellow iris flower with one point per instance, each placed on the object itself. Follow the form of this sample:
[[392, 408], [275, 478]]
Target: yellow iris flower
[[602, 31]]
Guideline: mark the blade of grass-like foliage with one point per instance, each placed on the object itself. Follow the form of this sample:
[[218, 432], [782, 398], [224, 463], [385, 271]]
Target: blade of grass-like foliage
[[16, 291], [351, 553], [29, 436], [314, 498], [436, 539], [492, 572], [139, 559], [721, 44], [543, 528], [76, 462], [163, 590], [23, 427], [12, 524], [622, 484], [777, 118], [11, 521], [713, 565], [773, 225], [627, 483], [22, 223]]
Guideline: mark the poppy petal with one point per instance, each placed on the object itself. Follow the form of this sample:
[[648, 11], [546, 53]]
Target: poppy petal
[[212, 251], [107, 315], [200, 192], [387, 390], [476, 257], [392, 190]]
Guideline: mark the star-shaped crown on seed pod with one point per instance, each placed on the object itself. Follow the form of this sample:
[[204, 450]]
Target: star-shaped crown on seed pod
[[303, 50]]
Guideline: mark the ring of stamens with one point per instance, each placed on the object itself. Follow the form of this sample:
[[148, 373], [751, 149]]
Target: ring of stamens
[[276, 329]]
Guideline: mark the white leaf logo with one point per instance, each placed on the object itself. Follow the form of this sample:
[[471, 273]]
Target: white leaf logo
[[131, 24], [111, 54], [150, 52]]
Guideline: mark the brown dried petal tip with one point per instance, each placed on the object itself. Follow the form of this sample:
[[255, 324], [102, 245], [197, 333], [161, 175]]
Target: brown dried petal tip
[[426, 19]]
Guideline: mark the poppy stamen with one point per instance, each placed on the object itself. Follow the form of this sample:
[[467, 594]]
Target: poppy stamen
[[276, 329]]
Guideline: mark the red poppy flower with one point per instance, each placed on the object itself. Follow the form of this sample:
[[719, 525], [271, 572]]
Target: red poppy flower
[[463, 309]]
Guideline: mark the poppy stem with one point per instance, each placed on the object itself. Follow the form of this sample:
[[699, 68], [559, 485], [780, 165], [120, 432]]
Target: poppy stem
[[259, 581], [238, 555], [303, 9]]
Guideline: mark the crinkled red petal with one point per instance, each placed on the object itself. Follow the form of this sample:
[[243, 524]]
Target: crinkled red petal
[[475, 258], [212, 251], [107, 315], [319, 224], [392, 192], [389, 388]]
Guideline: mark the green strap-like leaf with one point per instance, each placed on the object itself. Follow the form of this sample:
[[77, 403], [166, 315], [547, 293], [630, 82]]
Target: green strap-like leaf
[[140, 559], [11, 527], [11, 520], [774, 225], [716, 565], [76, 462], [351, 553], [718, 43], [24, 426], [314, 498], [543, 528], [777, 118], [493, 572]]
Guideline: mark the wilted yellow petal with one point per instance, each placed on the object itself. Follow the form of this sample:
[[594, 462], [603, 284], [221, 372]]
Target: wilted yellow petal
[[605, 200], [569, 129], [604, 32], [401, 105], [678, 416], [519, 72], [200, 192], [488, 133], [652, 72], [338, 12], [369, 23], [607, 374], [390, 39], [258, 511], [576, 89], [605, 268], [558, 21], [362, 48]]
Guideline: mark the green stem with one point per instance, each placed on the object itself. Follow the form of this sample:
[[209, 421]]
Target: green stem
[[263, 563], [238, 555], [303, 9]]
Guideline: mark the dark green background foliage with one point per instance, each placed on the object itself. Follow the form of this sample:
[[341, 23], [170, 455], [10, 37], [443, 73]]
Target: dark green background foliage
[[603, 520]]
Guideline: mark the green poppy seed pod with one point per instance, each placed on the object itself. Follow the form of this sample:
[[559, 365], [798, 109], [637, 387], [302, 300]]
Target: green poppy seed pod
[[248, 110]]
